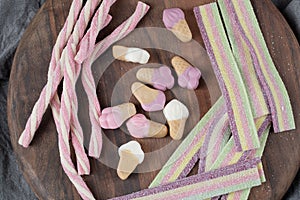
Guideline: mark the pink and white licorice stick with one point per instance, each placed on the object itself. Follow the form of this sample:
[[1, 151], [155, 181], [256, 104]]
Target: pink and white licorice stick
[[54, 72], [83, 165], [69, 102], [65, 155], [42, 103], [87, 43], [88, 80], [50, 89]]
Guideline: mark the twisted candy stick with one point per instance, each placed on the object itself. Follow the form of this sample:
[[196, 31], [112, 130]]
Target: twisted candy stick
[[55, 68], [87, 43], [65, 155], [69, 102], [88, 80], [42, 103], [229, 78], [83, 165], [55, 65], [47, 94]]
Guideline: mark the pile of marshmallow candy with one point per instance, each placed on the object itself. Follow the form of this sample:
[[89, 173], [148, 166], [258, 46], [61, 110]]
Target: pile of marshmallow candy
[[152, 98]]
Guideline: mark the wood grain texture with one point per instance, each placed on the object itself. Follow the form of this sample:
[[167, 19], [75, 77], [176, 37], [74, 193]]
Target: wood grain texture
[[40, 162]]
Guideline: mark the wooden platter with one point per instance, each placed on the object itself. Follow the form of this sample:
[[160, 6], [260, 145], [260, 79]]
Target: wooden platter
[[40, 162]]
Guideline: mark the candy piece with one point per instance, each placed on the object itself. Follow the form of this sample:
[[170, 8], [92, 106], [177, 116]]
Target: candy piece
[[150, 99], [87, 77], [230, 178], [186, 155], [245, 63], [215, 140], [174, 21], [141, 127], [245, 22], [135, 55], [160, 78], [230, 156], [188, 76], [74, 126], [230, 81], [42, 103], [114, 117], [131, 155], [176, 114]]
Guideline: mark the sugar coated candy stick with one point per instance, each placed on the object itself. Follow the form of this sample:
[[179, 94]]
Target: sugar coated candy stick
[[231, 178], [88, 81], [186, 155], [246, 65], [229, 155], [230, 81], [215, 140], [243, 20]]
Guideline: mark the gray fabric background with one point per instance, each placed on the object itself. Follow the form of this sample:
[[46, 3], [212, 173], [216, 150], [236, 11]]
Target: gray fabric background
[[15, 15]]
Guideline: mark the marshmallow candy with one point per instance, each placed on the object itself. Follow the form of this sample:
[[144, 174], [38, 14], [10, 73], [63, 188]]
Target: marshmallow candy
[[150, 99], [160, 78], [176, 114], [131, 155], [174, 21], [130, 54], [188, 76], [141, 127], [114, 117]]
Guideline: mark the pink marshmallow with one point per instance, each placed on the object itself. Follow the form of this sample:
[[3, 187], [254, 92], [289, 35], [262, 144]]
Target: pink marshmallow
[[111, 118], [138, 126], [157, 105], [162, 78], [114, 117], [172, 16], [190, 78]]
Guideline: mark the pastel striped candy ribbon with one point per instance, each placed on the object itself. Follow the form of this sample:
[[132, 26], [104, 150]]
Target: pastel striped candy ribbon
[[246, 66], [244, 22], [230, 80], [187, 153], [201, 186], [215, 140], [88, 80], [230, 156]]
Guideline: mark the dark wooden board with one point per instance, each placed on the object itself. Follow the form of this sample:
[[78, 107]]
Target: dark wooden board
[[40, 162]]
